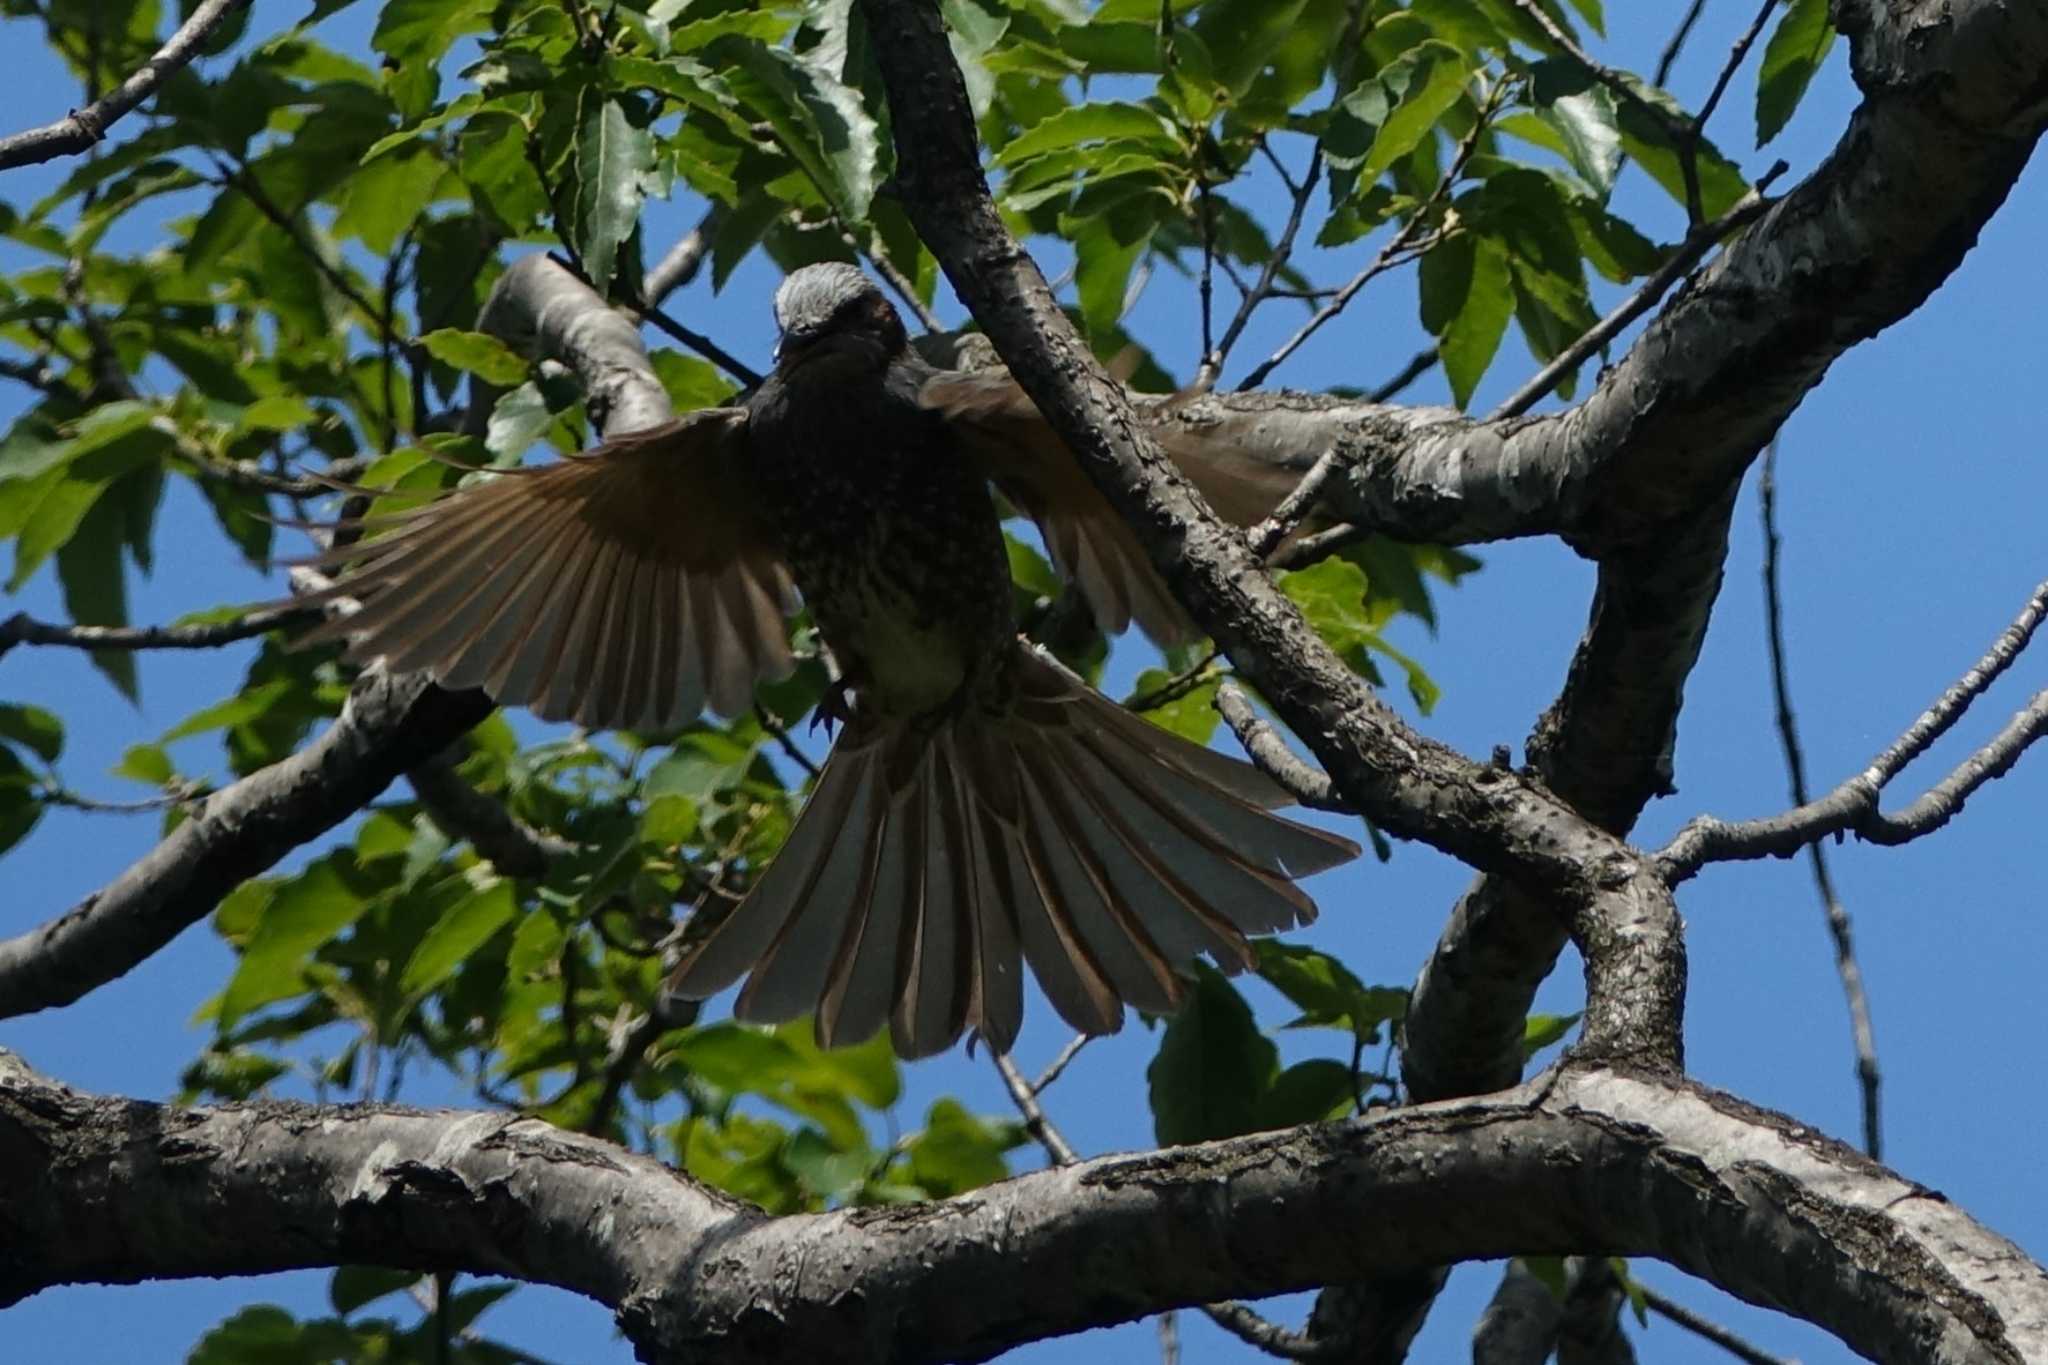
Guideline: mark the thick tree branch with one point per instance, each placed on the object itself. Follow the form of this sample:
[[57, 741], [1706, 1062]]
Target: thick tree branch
[[83, 128], [1402, 781], [1586, 1161]]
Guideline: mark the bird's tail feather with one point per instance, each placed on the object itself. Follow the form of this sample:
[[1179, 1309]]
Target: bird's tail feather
[[1106, 851]]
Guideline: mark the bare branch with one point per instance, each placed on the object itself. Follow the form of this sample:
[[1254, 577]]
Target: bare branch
[[682, 261], [511, 845], [110, 1189], [21, 628], [1058, 1065], [1271, 754], [83, 128], [1265, 538], [1862, 1036], [1852, 806], [1665, 1307]]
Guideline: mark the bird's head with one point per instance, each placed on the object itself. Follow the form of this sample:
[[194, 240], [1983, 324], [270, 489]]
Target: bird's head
[[833, 301]]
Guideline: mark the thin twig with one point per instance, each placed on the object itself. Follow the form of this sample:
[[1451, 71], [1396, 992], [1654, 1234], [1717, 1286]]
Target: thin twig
[[1235, 1318], [1864, 1039], [1271, 754], [682, 261], [701, 344], [1035, 1122], [1669, 57], [1711, 1331], [1732, 65], [1060, 1063], [1687, 254], [1419, 364], [1265, 538], [37, 374], [1852, 806], [773, 724], [184, 795], [1179, 685], [21, 628], [83, 128]]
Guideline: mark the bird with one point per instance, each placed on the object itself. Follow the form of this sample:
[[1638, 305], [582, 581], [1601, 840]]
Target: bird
[[981, 806]]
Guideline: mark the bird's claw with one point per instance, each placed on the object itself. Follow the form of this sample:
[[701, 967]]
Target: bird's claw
[[833, 709]]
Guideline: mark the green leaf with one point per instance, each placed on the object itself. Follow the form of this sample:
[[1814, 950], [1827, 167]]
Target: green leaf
[[701, 765], [146, 763], [957, 1151], [1191, 715], [427, 28], [19, 807], [477, 353], [303, 913], [1797, 48], [95, 586], [1588, 134], [613, 157], [34, 729], [461, 930], [1309, 1092], [1091, 124], [1472, 339], [384, 197], [1328, 994], [1539, 1031], [819, 122], [1435, 81], [355, 1285], [1213, 1066]]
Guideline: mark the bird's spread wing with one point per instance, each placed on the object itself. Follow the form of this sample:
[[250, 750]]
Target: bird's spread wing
[[625, 587], [1092, 546]]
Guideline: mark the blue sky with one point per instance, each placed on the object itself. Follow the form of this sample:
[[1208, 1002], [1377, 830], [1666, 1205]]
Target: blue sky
[[1911, 489]]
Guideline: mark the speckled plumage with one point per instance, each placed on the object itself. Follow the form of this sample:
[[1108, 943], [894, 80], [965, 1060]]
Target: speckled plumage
[[886, 525]]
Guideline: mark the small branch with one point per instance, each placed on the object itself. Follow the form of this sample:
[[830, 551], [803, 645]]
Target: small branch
[[682, 262], [1270, 752], [1852, 806], [37, 374], [1237, 1319], [774, 725], [701, 344], [1731, 66], [1683, 258], [511, 845], [1060, 1063], [1936, 720], [23, 629], [1712, 1331], [1419, 364], [71, 800], [1669, 57], [1056, 1146], [1178, 686], [1265, 538], [83, 128], [1863, 1037]]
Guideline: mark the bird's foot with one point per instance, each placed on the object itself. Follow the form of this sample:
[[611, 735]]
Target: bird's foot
[[833, 708]]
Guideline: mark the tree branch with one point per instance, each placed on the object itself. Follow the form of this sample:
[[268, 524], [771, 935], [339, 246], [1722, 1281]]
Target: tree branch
[[1852, 806], [108, 1189], [21, 628], [83, 128]]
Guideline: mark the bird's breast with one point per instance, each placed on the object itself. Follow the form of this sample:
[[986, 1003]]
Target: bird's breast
[[892, 539]]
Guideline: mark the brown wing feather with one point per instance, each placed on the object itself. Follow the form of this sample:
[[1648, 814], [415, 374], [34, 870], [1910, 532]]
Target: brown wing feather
[[615, 588], [1090, 544]]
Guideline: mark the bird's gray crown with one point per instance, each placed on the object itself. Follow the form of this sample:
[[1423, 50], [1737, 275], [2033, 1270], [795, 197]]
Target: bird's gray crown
[[811, 296]]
